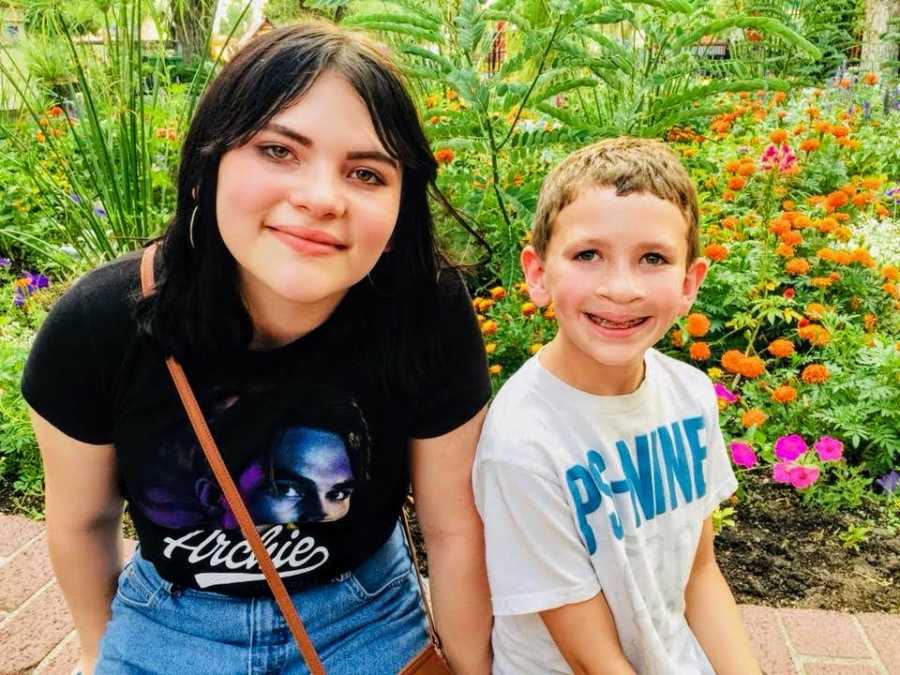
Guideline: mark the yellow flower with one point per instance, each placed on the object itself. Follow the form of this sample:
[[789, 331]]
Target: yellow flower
[[490, 347], [535, 348], [495, 369]]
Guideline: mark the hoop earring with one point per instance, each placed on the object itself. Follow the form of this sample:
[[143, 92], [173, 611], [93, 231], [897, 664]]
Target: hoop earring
[[191, 226]]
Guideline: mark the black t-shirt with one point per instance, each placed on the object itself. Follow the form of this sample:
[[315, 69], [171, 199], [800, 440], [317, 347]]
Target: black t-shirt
[[314, 441]]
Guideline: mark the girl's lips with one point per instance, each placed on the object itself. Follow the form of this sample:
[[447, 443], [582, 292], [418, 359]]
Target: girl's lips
[[311, 244]]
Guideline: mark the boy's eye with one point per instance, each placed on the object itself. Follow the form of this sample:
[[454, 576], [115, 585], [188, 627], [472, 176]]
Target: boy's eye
[[276, 151], [655, 259], [368, 176], [586, 256]]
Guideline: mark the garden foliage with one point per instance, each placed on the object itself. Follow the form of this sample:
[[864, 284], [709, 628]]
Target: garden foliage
[[797, 323]]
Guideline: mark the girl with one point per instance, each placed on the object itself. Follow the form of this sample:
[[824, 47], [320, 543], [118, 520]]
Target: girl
[[336, 359]]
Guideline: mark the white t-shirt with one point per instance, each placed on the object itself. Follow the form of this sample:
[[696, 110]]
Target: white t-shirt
[[582, 493]]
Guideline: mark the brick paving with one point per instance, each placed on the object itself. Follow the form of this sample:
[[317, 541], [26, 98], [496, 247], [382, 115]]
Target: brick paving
[[37, 636]]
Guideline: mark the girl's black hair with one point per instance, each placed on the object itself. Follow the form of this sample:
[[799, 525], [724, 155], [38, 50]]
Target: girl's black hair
[[197, 312]]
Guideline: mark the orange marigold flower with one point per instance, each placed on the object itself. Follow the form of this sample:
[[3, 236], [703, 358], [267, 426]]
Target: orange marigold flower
[[826, 224], [891, 289], [810, 144], [444, 156], [780, 348], [731, 360], [842, 257], [778, 136], [869, 321], [840, 131], [700, 351], [490, 347], [870, 78], [753, 418], [495, 369], [862, 199], [528, 308], [862, 257], [697, 324], [779, 226], [39, 137], [778, 97], [814, 373], [677, 338], [881, 210], [836, 200], [715, 252], [498, 292], [784, 394], [747, 168], [814, 310], [550, 312], [871, 183], [802, 221], [821, 282], [791, 237], [535, 348], [785, 251], [890, 272], [751, 366], [732, 166], [489, 327], [788, 205], [730, 223], [796, 266], [727, 196], [815, 334], [736, 183]]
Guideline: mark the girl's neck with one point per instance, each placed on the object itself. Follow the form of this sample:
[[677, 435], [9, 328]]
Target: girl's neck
[[277, 320]]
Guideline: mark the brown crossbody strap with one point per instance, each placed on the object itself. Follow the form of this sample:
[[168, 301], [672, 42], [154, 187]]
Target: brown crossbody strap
[[198, 422]]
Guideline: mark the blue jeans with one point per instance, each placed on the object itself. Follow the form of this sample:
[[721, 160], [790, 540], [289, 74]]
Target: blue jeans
[[369, 620]]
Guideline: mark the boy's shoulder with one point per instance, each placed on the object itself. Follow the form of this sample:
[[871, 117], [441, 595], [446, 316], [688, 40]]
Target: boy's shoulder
[[523, 412], [680, 379]]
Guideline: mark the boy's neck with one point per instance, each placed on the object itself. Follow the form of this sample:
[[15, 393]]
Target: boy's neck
[[580, 371]]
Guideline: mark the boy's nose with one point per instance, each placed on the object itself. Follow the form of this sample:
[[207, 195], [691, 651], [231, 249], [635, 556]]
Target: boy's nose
[[619, 287]]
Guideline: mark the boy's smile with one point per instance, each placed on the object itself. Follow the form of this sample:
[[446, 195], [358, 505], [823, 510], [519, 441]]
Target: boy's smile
[[616, 271]]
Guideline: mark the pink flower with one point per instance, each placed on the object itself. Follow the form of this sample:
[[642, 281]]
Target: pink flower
[[742, 454], [801, 476], [782, 158], [790, 447], [781, 472], [725, 394], [829, 448]]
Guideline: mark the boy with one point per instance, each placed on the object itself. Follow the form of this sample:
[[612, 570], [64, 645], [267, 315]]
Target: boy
[[601, 460]]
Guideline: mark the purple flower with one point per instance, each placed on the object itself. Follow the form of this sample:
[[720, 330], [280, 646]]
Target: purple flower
[[75, 198], [742, 454], [18, 297], [5, 262], [725, 394], [889, 481], [781, 472], [790, 447], [801, 476], [829, 449], [99, 211], [37, 281]]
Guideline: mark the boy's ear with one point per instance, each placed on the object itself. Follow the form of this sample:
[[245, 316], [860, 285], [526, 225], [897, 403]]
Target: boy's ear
[[533, 267], [693, 278]]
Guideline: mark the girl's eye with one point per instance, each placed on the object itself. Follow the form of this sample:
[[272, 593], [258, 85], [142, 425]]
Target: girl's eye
[[586, 256], [655, 259], [276, 151], [367, 176]]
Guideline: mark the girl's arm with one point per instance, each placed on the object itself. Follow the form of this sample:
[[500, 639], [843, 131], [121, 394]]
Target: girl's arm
[[713, 614], [441, 471], [585, 634], [84, 517]]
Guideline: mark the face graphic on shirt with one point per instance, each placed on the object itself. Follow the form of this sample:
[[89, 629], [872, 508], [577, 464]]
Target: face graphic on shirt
[[302, 462], [308, 479]]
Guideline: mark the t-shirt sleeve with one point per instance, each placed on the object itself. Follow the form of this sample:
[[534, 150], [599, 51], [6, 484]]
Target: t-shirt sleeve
[[535, 557], [460, 385], [68, 377], [721, 483]]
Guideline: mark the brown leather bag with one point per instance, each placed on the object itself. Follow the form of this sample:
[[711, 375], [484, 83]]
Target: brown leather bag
[[428, 662]]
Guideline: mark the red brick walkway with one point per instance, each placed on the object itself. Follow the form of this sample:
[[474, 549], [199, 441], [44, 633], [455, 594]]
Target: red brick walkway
[[36, 634]]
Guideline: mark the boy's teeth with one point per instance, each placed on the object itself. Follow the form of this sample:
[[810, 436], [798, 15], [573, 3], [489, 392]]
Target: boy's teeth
[[616, 324]]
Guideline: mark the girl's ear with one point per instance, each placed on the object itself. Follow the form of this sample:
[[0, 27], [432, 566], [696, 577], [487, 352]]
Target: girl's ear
[[533, 267], [693, 278]]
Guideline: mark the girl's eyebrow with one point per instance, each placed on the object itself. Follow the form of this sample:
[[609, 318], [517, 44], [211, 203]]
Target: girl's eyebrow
[[307, 142]]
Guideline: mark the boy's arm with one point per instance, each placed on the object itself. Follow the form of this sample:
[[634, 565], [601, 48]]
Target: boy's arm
[[713, 614], [586, 636]]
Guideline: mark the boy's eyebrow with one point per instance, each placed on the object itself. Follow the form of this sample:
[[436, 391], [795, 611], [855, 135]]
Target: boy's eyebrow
[[597, 241], [307, 142]]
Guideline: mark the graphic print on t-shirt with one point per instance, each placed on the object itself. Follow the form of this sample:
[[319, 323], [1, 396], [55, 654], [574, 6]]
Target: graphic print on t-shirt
[[644, 462], [296, 459]]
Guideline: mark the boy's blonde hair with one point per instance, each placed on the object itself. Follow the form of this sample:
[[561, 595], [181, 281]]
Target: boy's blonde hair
[[630, 165]]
